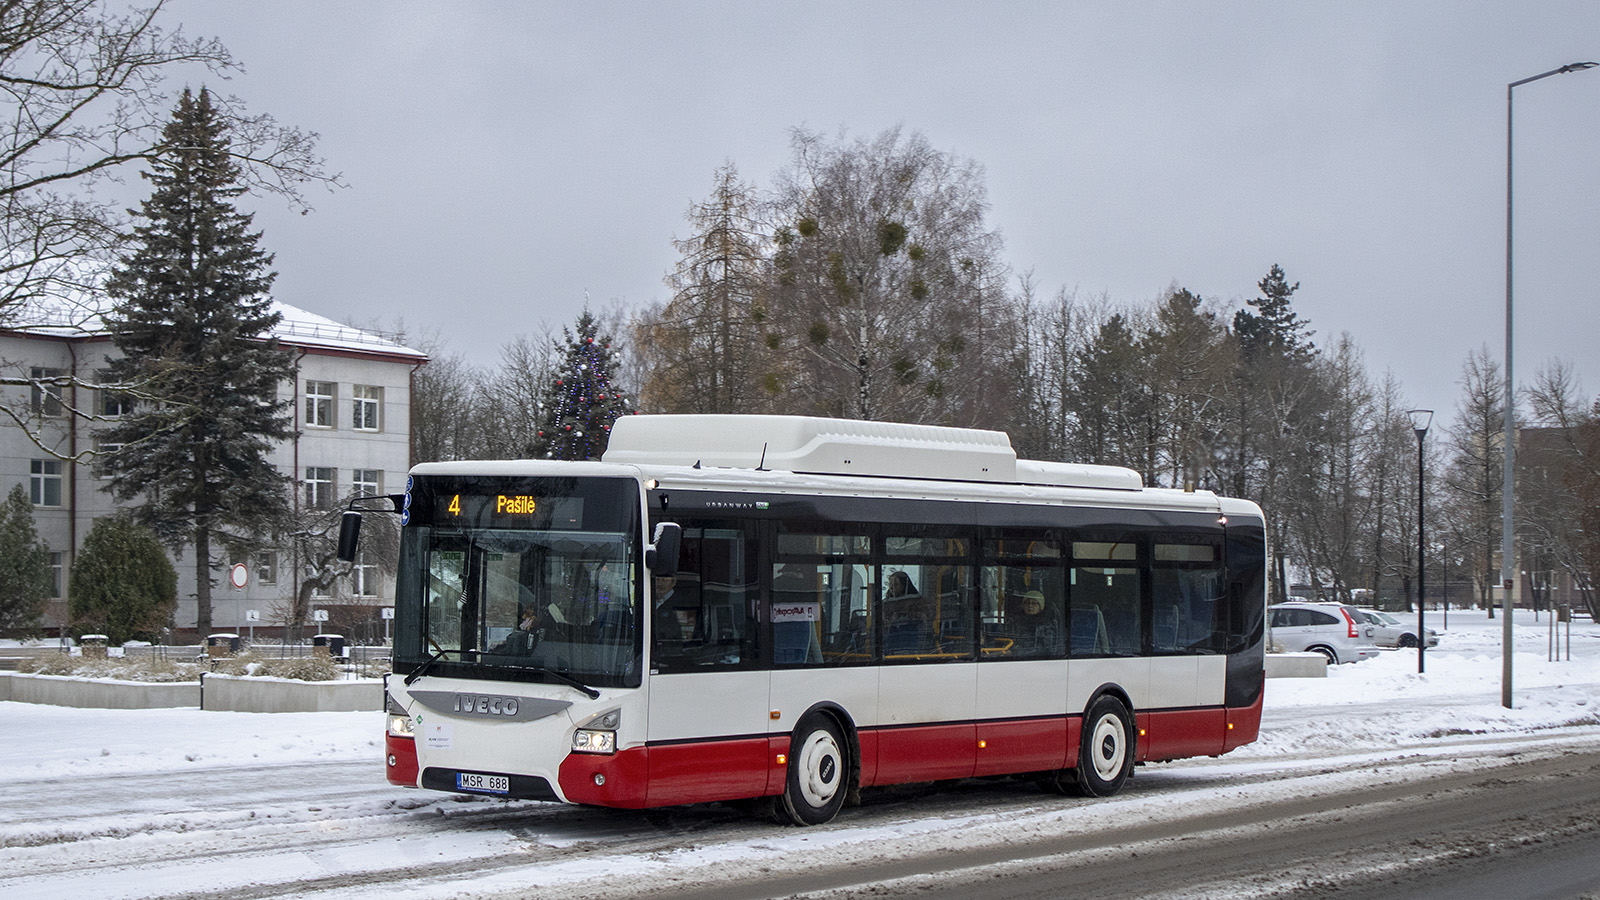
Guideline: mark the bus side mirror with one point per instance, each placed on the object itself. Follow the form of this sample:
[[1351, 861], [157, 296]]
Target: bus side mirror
[[661, 557], [349, 535]]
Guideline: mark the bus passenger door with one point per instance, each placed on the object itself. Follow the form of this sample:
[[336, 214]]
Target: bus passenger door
[[708, 693]]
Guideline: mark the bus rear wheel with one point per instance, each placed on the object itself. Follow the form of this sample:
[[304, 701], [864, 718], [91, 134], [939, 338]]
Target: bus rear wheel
[[1105, 751], [818, 769]]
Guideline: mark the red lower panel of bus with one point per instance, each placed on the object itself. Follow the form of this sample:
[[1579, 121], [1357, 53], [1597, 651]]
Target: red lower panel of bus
[[621, 781], [715, 770], [403, 751], [925, 753], [706, 771], [1031, 745], [669, 774], [1174, 734], [1244, 723]]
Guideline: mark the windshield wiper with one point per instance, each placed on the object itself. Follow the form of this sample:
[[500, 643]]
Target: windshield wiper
[[421, 670], [564, 679]]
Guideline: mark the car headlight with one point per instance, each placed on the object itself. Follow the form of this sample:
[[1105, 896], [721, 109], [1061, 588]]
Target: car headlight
[[599, 734], [400, 726]]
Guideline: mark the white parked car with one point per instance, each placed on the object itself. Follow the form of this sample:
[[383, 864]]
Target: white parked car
[[1394, 631], [1337, 631]]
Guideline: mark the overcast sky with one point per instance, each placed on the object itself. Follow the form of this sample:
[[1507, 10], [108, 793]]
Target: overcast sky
[[506, 159]]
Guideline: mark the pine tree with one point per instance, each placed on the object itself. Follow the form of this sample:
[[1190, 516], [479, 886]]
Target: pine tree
[[582, 398], [191, 321], [24, 565]]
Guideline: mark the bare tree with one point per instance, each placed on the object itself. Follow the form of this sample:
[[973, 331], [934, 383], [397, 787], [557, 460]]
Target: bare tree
[[510, 396], [1473, 479], [705, 347], [889, 294]]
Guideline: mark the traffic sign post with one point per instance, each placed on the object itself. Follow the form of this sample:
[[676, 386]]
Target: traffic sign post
[[239, 576]]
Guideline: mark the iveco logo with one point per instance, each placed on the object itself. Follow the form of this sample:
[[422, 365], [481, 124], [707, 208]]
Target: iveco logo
[[504, 709], [485, 705]]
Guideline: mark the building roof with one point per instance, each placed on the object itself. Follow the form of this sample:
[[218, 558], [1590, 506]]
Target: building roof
[[297, 328]]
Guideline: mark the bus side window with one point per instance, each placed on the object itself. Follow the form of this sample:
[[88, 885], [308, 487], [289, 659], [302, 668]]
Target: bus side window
[[1106, 578], [821, 610], [1189, 607]]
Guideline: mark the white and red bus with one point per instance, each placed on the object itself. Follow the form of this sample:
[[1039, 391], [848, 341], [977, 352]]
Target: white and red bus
[[787, 610]]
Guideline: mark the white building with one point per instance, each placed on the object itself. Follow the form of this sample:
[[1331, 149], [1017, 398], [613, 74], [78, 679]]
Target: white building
[[352, 410]]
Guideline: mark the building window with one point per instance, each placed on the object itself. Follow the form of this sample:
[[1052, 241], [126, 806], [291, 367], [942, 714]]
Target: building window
[[46, 397], [366, 482], [366, 405], [319, 487], [57, 567], [113, 404], [319, 403], [103, 451], [364, 579], [44, 482], [267, 567]]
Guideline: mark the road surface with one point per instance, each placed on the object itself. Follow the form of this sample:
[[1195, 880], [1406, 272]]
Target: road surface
[[1463, 815]]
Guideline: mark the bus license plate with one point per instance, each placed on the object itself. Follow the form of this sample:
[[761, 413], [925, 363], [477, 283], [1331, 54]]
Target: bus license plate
[[483, 784]]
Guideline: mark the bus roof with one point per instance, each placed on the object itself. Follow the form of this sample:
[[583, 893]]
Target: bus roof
[[820, 446]]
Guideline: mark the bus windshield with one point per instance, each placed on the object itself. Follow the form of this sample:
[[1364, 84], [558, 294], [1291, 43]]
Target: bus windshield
[[521, 581]]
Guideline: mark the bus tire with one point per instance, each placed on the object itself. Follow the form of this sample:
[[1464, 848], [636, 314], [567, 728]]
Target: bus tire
[[819, 767], [1106, 749]]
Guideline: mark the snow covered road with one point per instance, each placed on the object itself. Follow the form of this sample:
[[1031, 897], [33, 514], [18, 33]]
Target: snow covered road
[[184, 803]]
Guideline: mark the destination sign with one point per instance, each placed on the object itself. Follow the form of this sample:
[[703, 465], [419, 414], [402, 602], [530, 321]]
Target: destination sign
[[510, 509]]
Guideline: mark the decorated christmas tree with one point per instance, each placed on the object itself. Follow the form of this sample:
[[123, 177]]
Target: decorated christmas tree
[[582, 399]]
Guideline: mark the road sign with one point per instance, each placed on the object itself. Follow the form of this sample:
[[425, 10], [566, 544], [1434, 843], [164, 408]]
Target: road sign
[[388, 612], [319, 615], [252, 615], [239, 575]]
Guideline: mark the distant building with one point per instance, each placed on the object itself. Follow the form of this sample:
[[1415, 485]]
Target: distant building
[[351, 400]]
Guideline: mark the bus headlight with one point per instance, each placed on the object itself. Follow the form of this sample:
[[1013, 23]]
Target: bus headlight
[[400, 726], [599, 734], [586, 740]]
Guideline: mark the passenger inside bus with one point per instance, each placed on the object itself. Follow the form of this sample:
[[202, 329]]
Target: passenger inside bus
[[1035, 625]]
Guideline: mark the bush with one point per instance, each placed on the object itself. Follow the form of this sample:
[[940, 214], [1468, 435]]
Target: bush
[[301, 668], [150, 669], [123, 585]]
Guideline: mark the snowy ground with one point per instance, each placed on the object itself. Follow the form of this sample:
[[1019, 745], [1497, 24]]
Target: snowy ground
[[102, 803]]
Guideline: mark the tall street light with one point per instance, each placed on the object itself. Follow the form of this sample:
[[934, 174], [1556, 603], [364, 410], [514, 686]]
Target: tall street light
[[1420, 420], [1506, 495]]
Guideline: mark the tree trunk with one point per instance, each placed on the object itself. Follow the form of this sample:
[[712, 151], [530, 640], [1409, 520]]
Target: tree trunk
[[202, 582]]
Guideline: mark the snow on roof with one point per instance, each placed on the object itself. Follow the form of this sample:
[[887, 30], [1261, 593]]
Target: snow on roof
[[83, 318]]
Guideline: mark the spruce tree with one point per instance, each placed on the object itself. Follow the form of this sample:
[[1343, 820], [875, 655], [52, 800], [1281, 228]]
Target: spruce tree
[[582, 398], [191, 320], [24, 565]]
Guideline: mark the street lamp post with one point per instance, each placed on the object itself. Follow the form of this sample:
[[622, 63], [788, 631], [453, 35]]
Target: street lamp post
[[1420, 420], [1506, 495]]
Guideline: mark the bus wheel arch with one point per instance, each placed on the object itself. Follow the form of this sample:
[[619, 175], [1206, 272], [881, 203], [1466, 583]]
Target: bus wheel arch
[[823, 768], [1107, 746]]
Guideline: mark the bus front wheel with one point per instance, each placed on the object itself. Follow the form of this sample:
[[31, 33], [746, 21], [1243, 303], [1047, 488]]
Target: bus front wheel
[[818, 769], [1105, 752]]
